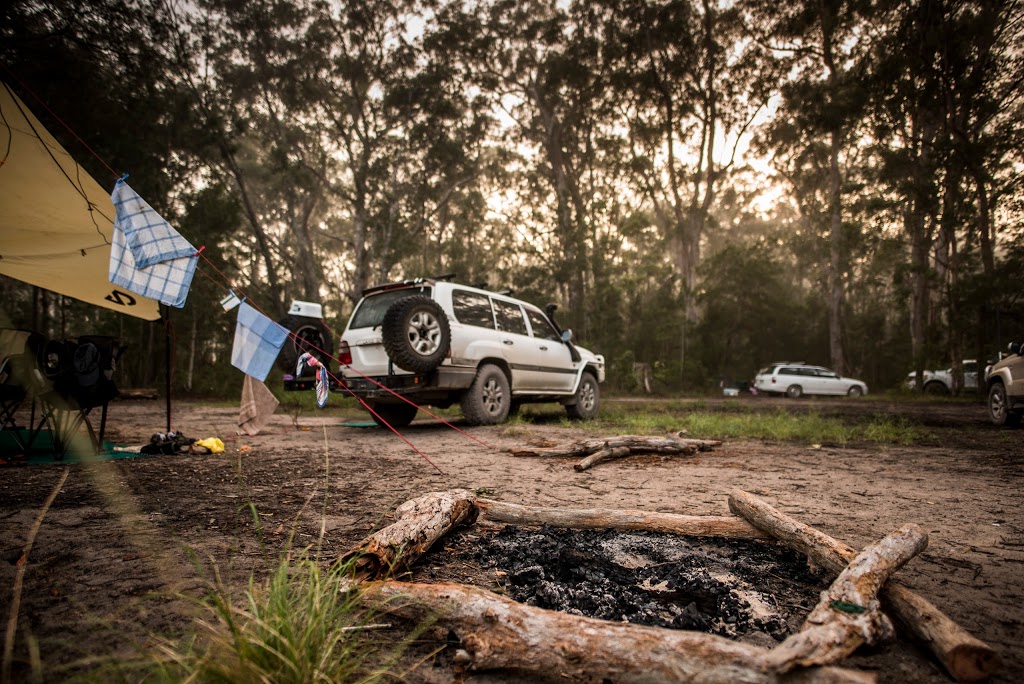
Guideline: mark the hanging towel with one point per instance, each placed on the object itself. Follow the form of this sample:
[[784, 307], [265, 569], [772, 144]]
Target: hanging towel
[[147, 256], [258, 404], [257, 342]]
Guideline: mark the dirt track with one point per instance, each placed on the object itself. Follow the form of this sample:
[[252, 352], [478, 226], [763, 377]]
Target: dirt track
[[113, 550]]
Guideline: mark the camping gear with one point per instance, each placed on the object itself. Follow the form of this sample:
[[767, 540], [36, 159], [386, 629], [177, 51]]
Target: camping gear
[[57, 224], [258, 404]]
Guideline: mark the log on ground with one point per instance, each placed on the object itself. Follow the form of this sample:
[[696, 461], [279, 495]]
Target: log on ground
[[635, 443], [603, 518], [498, 633], [418, 524], [849, 614], [965, 657]]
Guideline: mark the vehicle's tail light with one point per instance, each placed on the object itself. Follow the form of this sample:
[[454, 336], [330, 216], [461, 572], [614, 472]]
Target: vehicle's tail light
[[344, 353]]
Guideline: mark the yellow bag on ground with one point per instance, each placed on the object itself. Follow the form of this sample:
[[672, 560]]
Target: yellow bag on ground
[[214, 444]]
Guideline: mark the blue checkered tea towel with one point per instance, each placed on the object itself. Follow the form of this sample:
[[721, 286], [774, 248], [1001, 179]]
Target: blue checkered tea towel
[[147, 256], [257, 342]]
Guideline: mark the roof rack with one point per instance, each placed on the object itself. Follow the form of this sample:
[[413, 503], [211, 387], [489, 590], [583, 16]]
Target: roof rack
[[406, 283]]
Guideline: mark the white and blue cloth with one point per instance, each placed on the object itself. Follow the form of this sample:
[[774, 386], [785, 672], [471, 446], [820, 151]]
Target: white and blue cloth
[[258, 340], [147, 256]]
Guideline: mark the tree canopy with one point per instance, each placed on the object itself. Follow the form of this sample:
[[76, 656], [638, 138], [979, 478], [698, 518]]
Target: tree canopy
[[703, 187]]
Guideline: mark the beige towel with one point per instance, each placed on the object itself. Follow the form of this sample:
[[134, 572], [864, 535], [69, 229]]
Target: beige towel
[[258, 404]]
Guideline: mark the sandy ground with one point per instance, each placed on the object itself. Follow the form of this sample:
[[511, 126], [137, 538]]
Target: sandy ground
[[124, 539]]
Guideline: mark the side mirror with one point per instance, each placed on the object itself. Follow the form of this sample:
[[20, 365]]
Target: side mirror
[[566, 335], [1014, 347]]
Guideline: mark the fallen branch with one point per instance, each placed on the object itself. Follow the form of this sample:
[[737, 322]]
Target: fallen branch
[[966, 658], [418, 524], [848, 614], [498, 633], [601, 456], [636, 444], [603, 518]]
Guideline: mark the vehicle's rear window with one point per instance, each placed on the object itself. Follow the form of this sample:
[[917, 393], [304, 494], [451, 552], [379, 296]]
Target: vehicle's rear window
[[472, 308], [371, 310]]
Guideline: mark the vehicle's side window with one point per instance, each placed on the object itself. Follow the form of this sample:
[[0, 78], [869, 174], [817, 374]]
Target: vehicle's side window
[[542, 328], [472, 308], [510, 317], [789, 371]]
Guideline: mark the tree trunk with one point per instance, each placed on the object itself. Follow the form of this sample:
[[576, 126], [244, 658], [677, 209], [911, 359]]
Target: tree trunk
[[848, 614], [498, 633], [966, 658], [602, 518]]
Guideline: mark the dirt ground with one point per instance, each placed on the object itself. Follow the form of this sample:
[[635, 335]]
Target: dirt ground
[[125, 539]]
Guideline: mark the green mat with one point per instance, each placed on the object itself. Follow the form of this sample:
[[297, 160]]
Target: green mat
[[42, 450]]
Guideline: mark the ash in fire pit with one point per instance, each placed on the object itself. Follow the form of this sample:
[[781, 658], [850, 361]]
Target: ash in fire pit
[[735, 588]]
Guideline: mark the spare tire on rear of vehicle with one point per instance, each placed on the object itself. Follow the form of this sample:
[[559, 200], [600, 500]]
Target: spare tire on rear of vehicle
[[307, 335], [416, 333]]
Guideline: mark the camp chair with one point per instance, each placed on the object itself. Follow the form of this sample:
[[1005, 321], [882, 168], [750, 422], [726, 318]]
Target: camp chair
[[20, 380], [81, 370]]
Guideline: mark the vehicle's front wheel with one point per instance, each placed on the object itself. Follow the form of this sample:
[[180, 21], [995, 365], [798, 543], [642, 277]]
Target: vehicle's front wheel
[[396, 415], [794, 391], [855, 391], [416, 333], [999, 406], [587, 399], [936, 388], [488, 399]]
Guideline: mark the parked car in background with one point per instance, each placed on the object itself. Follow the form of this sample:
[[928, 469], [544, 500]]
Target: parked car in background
[[941, 381], [437, 342], [795, 379], [1005, 384]]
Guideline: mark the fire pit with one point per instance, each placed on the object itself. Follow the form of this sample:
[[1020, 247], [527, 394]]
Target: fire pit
[[587, 595], [731, 587]]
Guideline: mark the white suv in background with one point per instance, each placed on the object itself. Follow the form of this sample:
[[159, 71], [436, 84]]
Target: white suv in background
[[794, 379], [438, 342], [1005, 382]]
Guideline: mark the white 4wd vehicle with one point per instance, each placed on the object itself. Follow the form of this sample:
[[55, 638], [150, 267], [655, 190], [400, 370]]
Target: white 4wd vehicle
[[941, 381], [437, 342], [1005, 382]]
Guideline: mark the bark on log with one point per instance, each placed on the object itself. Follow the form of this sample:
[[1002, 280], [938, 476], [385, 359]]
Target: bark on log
[[965, 657], [498, 633], [601, 456], [418, 524], [604, 518], [635, 443], [848, 614]]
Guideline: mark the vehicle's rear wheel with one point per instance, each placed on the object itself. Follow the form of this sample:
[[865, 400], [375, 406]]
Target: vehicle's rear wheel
[[396, 415], [416, 333], [588, 399], [999, 406], [936, 388], [488, 399], [855, 391], [794, 391]]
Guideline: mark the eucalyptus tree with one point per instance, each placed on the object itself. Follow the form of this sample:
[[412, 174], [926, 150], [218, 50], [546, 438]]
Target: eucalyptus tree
[[946, 90], [820, 44], [540, 65], [690, 86]]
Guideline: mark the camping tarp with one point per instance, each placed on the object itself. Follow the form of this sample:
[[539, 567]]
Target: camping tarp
[[56, 222]]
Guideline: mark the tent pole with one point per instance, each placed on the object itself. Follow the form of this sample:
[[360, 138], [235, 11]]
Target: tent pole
[[166, 315]]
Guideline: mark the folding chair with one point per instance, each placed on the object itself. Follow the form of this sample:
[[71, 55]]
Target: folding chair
[[82, 372], [19, 381]]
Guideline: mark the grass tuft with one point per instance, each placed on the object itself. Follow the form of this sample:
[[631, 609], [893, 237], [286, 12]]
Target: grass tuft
[[303, 625]]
